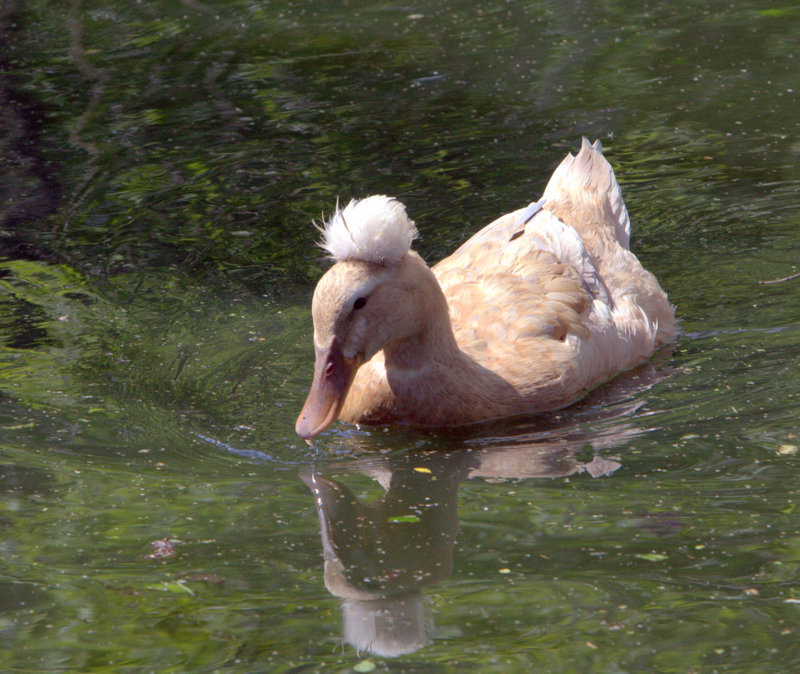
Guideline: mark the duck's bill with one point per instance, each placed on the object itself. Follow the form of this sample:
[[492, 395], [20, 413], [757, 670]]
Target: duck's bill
[[333, 374]]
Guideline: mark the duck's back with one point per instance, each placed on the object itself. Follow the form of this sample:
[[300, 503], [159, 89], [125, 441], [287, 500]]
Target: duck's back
[[557, 304]]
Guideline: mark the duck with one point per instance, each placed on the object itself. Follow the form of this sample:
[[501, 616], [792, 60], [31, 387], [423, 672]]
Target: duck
[[533, 311]]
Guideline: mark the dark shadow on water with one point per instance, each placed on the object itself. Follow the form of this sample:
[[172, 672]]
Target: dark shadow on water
[[31, 190]]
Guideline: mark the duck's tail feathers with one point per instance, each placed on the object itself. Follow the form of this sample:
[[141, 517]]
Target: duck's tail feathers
[[584, 193]]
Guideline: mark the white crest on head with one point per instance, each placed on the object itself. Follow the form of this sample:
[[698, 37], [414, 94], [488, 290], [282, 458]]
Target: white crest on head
[[376, 229]]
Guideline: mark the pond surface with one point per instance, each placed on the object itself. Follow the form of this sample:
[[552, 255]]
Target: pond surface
[[162, 165]]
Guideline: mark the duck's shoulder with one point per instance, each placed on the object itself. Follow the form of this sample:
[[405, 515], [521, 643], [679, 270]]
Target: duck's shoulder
[[522, 266], [507, 297]]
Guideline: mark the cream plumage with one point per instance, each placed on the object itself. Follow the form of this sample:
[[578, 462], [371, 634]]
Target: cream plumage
[[529, 314]]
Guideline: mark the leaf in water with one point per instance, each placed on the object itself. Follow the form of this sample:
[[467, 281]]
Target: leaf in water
[[787, 450], [364, 666], [652, 556], [399, 519], [777, 11], [419, 469], [177, 586]]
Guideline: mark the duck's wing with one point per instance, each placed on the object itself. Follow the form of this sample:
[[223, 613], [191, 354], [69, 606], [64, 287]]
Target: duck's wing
[[504, 296], [525, 275], [559, 296], [584, 194], [581, 205]]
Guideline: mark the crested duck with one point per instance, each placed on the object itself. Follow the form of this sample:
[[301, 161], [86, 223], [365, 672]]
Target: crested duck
[[529, 314]]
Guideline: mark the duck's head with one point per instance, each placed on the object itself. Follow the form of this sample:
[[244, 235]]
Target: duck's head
[[362, 303]]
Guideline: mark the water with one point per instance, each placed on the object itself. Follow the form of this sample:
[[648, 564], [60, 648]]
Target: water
[[162, 165]]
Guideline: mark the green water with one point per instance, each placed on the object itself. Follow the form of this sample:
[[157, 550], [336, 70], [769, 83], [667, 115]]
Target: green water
[[162, 163]]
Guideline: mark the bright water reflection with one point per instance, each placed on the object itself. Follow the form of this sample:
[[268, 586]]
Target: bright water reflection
[[161, 164]]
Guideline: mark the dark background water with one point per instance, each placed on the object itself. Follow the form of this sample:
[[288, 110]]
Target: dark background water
[[162, 162]]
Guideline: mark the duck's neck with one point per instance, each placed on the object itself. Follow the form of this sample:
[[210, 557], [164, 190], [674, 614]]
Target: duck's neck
[[434, 341], [424, 378]]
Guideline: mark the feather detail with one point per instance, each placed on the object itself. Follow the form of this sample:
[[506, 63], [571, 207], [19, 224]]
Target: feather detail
[[376, 229], [586, 184]]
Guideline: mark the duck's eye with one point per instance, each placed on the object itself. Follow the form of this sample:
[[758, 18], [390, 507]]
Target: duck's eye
[[359, 303]]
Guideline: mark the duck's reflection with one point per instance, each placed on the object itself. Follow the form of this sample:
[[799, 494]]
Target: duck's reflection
[[380, 555]]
